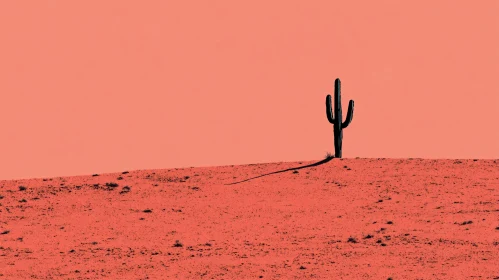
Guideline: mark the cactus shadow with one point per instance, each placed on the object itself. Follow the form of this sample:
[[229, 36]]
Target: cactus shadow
[[327, 159]]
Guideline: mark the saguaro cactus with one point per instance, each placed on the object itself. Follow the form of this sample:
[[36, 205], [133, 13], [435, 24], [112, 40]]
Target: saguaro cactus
[[336, 120]]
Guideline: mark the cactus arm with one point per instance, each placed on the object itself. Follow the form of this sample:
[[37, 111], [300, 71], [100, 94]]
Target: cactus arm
[[349, 116], [329, 110]]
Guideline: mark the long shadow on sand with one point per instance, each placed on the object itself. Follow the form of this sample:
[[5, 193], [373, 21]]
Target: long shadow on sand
[[289, 169]]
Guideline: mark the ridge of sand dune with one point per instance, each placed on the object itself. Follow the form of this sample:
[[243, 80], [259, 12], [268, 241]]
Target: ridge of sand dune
[[347, 218]]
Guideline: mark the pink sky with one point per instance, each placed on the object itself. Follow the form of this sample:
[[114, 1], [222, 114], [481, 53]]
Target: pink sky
[[105, 86]]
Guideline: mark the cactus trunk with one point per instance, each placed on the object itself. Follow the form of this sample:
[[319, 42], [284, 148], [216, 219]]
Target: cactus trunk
[[336, 119]]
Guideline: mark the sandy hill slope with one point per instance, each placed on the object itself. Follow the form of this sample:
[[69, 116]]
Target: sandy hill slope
[[347, 218]]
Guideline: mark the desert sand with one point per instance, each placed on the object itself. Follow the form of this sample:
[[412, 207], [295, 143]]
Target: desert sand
[[345, 219]]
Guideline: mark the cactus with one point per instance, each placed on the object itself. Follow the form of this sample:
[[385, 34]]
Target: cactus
[[336, 120]]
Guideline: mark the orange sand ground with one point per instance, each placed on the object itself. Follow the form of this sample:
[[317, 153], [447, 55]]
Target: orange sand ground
[[346, 219]]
